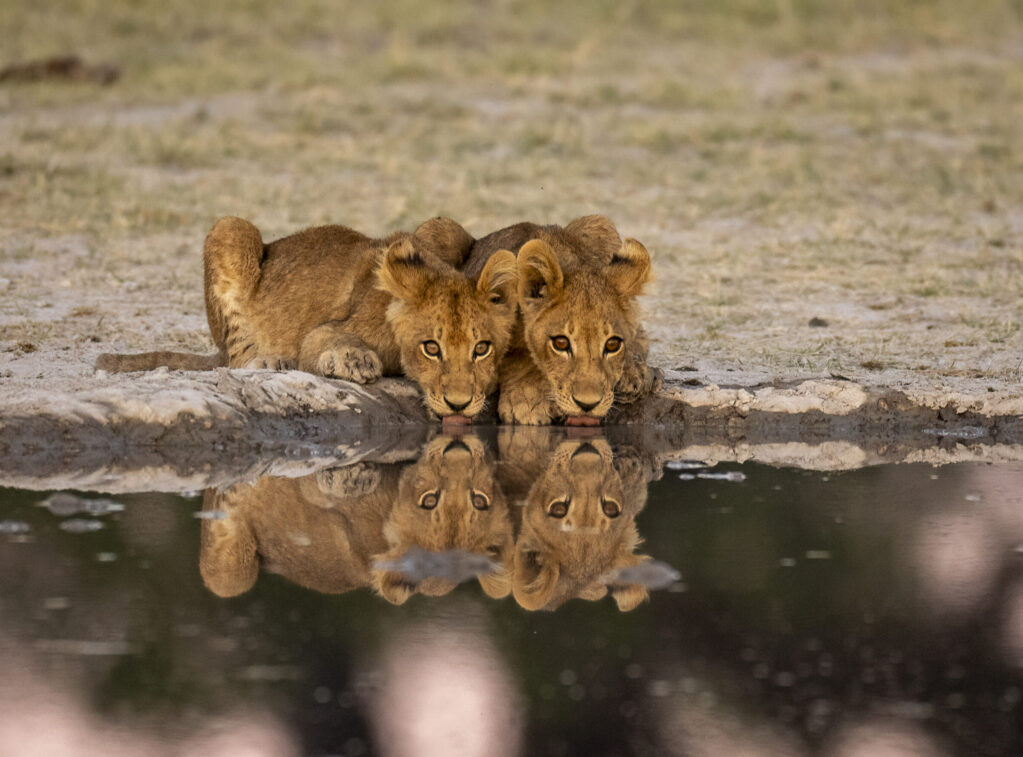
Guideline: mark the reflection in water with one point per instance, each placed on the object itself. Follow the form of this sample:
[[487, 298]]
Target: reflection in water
[[425, 526], [824, 614]]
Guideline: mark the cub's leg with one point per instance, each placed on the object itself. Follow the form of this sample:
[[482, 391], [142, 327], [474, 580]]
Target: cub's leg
[[232, 256], [525, 394], [638, 379], [349, 482], [328, 350]]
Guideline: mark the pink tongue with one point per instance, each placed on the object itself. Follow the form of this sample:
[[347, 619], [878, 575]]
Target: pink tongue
[[455, 420], [582, 420]]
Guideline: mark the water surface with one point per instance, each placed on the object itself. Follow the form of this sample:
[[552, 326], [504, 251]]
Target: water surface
[[538, 593]]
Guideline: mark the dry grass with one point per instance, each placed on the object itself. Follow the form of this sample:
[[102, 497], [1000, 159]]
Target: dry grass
[[854, 161]]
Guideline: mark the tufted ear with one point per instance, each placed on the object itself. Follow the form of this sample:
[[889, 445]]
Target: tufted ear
[[533, 581], [629, 269], [630, 596], [499, 279], [404, 272], [498, 584], [540, 273], [392, 586], [597, 234]]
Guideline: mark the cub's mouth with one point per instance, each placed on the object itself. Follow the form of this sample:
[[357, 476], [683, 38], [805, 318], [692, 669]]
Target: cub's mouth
[[455, 420], [582, 420]]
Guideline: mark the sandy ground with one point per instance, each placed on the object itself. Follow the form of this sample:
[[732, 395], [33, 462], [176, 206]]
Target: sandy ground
[[827, 194]]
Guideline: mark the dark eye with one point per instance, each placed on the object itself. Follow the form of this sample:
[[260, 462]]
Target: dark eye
[[480, 501], [431, 348], [611, 508], [561, 343], [482, 349], [429, 500], [612, 345], [558, 508]]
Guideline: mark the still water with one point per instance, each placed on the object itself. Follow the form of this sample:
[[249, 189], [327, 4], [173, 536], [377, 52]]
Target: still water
[[524, 593]]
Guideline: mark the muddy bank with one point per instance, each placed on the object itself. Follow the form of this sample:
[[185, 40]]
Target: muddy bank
[[182, 431]]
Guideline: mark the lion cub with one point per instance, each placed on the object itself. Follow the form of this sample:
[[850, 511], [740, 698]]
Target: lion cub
[[330, 300], [320, 533], [579, 340], [578, 527]]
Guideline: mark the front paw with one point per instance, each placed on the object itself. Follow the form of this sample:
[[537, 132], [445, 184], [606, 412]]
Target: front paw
[[525, 407], [638, 381], [350, 363], [350, 482], [271, 363]]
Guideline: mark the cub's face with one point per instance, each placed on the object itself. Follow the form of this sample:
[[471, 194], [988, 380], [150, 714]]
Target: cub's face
[[578, 530], [448, 500], [452, 331], [580, 324]]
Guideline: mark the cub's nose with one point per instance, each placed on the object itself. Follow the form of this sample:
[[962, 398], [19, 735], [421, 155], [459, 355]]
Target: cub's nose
[[456, 406], [585, 406]]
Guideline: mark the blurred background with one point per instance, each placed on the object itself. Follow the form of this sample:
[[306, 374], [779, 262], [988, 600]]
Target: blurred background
[[852, 162]]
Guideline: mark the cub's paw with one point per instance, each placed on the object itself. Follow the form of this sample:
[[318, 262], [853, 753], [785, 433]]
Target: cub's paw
[[349, 482], [638, 381], [271, 363], [525, 406], [350, 363]]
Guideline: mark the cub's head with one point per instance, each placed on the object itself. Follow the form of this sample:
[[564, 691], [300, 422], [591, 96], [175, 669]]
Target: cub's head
[[452, 331], [448, 501], [579, 322], [578, 530]]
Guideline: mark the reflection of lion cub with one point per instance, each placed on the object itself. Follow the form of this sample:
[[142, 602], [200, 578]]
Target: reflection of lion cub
[[335, 302], [579, 340], [329, 540], [578, 530]]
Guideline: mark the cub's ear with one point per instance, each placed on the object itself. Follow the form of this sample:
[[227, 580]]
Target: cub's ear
[[404, 271], [446, 239], [629, 269], [498, 585], [392, 586], [533, 581], [499, 279], [630, 596], [540, 273], [597, 234]]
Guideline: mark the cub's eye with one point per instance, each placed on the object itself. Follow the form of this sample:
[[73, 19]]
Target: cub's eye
[[431, 348], [561, 343], [558, 508], [429, 500], [611, 508], [612, 345], [480, 501], [482, 349]]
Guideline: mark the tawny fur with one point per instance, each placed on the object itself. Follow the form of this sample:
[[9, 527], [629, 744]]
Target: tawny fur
[[329, 531], [578, 281], [579, 554], [330, 300]]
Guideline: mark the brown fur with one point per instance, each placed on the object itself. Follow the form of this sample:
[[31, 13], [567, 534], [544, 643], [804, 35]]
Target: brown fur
[[328, 531], [579, 281], [579, 554], [331, 301]]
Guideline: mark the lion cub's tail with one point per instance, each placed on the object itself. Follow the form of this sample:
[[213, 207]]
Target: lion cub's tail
[[147, 361]]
